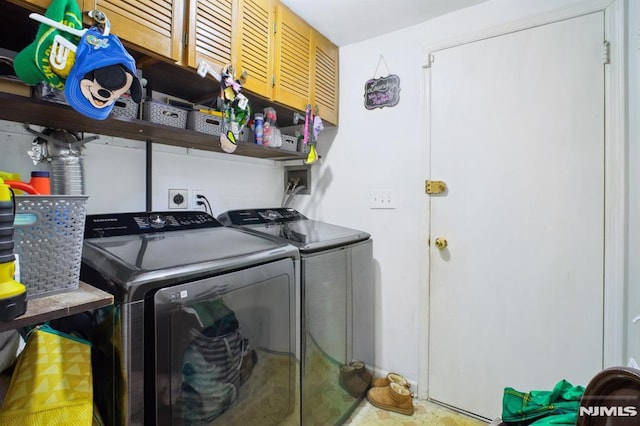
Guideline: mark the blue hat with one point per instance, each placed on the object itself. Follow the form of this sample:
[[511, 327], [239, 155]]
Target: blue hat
[[103, 70]]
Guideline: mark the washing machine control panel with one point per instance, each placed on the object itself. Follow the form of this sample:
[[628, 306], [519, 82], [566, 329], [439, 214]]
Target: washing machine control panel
[[260, 216], [114, 224]]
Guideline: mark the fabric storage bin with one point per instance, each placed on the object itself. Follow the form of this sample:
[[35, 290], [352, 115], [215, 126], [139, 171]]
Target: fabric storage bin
[[48, 236], [204, 123], [125, 107], [157, 112], [289, 143]]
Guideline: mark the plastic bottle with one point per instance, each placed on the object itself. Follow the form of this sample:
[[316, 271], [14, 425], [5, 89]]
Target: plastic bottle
[[41, 182], [269, 126], [258, 127]]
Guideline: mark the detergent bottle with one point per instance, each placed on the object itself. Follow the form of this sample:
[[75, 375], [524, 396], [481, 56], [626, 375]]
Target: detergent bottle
[[40, 183], [13, 295]]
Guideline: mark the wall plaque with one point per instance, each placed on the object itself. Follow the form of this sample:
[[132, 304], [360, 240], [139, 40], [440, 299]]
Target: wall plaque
[[382, 92]]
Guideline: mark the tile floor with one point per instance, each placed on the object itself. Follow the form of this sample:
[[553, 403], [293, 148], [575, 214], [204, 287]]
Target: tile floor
[[426, 414]]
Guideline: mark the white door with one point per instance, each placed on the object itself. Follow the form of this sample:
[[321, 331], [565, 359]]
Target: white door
[[516, 297]]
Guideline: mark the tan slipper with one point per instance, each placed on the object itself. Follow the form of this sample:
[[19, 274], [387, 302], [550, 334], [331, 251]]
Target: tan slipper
[[394, 397], [388, 379]]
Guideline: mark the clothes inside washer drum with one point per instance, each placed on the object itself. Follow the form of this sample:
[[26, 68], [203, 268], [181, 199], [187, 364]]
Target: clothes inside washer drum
[[211, 375], [211, 362]]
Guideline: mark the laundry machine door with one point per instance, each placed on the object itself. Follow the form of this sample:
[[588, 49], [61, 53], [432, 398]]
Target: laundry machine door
[[225, 349]]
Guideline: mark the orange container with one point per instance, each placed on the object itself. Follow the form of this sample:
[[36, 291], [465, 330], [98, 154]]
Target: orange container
[[40, 184]]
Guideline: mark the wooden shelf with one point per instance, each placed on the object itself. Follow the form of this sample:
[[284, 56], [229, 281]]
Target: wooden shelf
[[28, 110], [59, 305]]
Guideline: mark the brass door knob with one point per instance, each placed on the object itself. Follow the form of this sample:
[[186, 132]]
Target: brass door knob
[[441, 243]]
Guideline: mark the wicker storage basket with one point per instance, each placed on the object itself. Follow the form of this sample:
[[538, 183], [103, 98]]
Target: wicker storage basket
[[48, 236], [125, 107], [157, 112], [289, 143], [204, 123]]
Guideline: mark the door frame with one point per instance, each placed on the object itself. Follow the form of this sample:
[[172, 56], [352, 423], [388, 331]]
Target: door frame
[[615, 173]]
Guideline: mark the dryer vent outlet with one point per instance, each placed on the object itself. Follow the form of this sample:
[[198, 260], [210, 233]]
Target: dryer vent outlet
[[296, 176]]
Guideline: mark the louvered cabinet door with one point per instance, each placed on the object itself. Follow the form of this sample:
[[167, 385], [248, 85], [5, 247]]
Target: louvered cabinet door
[[153, 26], [254, 54], [324, 90], [292, 63], [210, 29]]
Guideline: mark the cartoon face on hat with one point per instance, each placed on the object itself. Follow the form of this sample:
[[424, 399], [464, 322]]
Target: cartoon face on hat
[[102, 86], [102, 72]]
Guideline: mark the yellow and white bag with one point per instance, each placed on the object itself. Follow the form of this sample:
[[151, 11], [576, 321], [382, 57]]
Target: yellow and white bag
[[51, 383]]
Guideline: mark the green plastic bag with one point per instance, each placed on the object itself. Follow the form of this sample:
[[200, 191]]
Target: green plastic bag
[[555, 407]]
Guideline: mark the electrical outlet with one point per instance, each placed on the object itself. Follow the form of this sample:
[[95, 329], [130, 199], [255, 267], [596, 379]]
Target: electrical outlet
[[194, 199], [382, 199], [178, 198]]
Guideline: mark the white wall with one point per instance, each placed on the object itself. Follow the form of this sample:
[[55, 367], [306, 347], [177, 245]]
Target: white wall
[[381, 149], [115, 173]]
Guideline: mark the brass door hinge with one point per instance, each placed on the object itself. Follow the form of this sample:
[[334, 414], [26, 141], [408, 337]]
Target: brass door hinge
[[434, 186]]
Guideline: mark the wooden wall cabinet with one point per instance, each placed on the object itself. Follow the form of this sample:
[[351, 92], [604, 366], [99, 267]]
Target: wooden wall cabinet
[[306, 67], [324, 82], [155, 27], [286, 60], [210, 28], [237, 32], [254, 45], [292, 71]]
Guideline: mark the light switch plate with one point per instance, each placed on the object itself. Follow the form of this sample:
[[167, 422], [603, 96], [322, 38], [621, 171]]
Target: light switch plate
[[381, 199]]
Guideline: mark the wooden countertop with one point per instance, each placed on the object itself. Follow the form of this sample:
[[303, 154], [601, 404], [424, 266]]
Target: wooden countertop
[[46, 308]]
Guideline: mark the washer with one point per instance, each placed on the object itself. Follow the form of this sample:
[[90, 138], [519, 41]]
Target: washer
[[337, 304], [204, 326]]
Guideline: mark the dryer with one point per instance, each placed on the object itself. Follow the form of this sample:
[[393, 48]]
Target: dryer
[[204, 326], [337, 290]]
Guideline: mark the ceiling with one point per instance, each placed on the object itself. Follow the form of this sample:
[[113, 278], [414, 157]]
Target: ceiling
[[350, 21]]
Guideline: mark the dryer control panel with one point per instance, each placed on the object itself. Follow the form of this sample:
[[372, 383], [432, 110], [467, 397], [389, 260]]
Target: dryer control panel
[[115, 224], [259, 216]]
